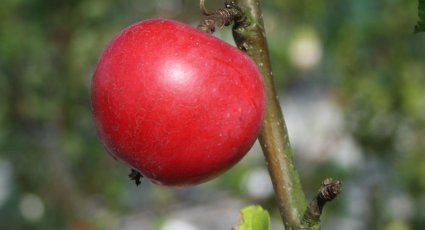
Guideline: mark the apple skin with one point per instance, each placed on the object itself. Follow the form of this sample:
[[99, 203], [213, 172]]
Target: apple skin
[[178, 105]]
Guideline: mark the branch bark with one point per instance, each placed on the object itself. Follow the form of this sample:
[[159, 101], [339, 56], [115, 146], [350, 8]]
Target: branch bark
[[249, 35], [329, 190]]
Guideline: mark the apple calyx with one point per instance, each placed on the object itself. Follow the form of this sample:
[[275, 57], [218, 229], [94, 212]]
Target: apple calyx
[[136, 176]]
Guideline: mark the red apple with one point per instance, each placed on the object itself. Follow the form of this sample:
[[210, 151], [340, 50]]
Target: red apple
[[176, 104]]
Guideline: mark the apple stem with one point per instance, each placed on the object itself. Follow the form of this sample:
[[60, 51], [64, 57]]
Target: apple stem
[[136, 176], [219, 18]]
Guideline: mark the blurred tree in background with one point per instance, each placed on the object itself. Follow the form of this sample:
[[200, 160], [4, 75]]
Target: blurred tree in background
[[352, 81]]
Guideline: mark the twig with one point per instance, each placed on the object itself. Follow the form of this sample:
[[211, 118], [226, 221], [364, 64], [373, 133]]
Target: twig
[[219, 18], [327, 192]]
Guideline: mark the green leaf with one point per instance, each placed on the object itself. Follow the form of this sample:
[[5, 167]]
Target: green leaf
[[420, 27], [253, 218]]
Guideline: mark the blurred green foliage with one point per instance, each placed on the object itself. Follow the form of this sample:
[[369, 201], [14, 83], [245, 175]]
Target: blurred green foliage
[[52, 162], [420, 26], [254, 218]]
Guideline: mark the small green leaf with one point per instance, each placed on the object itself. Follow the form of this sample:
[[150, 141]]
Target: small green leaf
[[253, 218], [420, 27]]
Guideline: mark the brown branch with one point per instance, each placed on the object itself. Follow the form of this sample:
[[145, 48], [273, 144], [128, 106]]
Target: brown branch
[[219, 18], [328, 191], [250, 37]]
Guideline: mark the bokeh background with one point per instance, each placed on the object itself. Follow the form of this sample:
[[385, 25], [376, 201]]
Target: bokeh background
[[351, 79]]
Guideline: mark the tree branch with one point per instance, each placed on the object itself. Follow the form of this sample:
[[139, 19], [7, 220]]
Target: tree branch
[[250, 37], [327, 192], [219, 18]]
